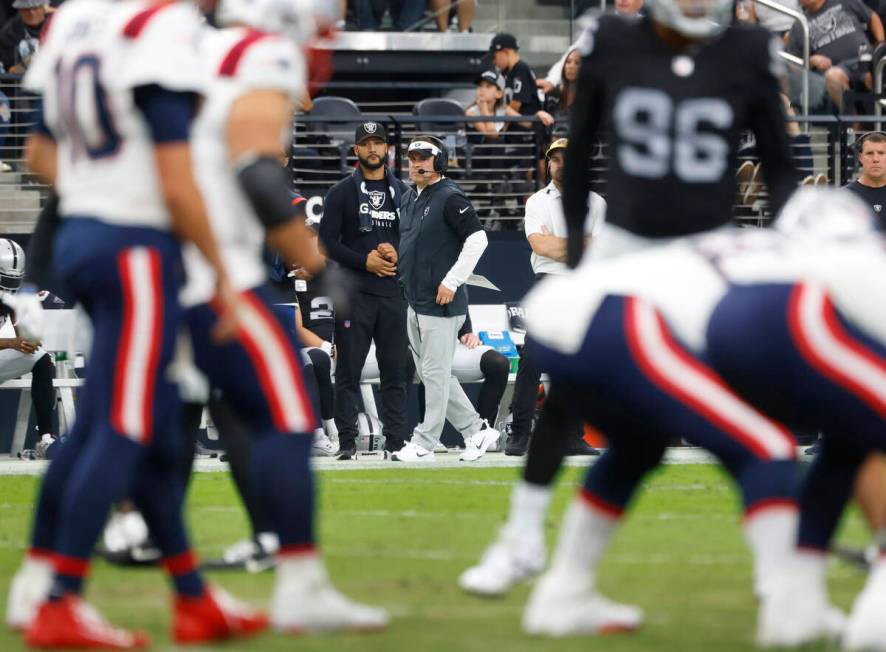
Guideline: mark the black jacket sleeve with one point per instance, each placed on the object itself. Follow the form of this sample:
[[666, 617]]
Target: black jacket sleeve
[[331, 230], [466, 327], [583, 129], [461, 216], [768, 125]]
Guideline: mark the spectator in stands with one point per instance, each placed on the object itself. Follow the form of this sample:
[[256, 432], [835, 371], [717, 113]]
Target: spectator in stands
[[871, 183], [404, 13], [490, 102], [521, 92], [361, 232], [839, 48], [776, 22], [20, 37], [444, 9], [558, 101], [545, 229]]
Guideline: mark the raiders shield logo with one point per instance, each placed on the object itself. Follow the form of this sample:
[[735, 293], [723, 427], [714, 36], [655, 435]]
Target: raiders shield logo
[[369, 128], [376, 198], [878, 207]]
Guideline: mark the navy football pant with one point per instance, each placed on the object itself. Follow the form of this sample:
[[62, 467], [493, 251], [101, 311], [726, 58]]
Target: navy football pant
[[125, 440], [789, 351], [635, 383], [259, 375]]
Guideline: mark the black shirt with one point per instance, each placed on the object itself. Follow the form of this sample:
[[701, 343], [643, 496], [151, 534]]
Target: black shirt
[[874, 197], [17, 39], [673, 122], [317, 312], [347, 244], [520, 86]]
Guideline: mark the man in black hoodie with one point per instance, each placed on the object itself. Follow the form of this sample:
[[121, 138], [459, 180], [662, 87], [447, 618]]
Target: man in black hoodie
[[361, 232], [20, 37]]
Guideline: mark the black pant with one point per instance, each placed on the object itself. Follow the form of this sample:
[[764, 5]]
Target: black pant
[[382, 319]]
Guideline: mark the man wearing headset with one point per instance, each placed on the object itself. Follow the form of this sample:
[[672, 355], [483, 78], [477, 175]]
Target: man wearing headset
[[441, 241]]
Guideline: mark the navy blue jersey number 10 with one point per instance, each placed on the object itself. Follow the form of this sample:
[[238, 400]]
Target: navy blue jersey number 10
[[83, 104]]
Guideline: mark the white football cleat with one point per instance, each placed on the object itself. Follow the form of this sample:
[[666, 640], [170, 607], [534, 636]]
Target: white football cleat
[[322, 446], [413, 453], [477, 444], [796, 611], [566, 604], [507, 562], [29, 588], [866, 628], [305, 601]]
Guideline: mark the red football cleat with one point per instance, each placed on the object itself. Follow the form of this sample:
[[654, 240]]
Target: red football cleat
[[214, 616], [73, 623]]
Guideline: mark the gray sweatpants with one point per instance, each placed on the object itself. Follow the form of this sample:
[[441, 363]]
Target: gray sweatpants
[[432, 342]]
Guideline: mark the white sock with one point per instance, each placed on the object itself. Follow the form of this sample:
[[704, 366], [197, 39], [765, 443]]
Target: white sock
[[584, 537], [319, 434], [302, 569], [771, 534], [529, 506]]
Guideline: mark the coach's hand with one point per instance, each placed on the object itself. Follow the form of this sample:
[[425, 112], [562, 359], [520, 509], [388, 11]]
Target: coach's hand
[[377, 265], [444, 295]]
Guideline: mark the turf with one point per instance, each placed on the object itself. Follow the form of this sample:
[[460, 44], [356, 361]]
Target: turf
[[400, 537]]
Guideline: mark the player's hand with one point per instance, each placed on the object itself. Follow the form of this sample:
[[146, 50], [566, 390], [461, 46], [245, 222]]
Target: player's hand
[[470, 340], [20, 344], [376, 264], [444, 295], [228, 303], [820, 62], [28, 311], [301, 274], [388, 252]]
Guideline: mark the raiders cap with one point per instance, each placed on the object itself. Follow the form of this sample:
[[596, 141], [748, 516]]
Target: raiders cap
[[493, 77], [370, 130], [503, 41]]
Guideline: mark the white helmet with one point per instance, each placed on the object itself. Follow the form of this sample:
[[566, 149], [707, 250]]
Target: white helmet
[[694, 19], [826, 214], [298, 20], [12, 265]]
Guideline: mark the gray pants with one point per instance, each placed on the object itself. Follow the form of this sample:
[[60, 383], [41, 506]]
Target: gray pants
[[432, 342]]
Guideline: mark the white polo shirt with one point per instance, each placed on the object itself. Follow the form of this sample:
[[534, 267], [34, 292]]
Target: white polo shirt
[[545, 208]]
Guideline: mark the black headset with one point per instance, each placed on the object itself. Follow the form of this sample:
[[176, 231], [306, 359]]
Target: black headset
[[441, 159], [859, 144]]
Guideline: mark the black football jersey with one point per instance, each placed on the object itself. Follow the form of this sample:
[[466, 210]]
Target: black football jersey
[[673, 121], [317, 313]]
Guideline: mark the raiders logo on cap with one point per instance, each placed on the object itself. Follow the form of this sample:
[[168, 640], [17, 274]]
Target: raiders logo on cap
[[369, 127]]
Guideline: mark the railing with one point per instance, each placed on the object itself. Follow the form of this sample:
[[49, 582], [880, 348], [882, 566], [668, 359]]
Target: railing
[[804, 24]]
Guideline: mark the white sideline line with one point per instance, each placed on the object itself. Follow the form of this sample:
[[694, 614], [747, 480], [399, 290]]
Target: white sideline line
[[679, 455]]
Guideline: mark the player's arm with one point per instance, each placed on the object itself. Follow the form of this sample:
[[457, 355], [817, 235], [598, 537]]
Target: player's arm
[[306, 337], [583, 128], [255, 148], [768, 124]]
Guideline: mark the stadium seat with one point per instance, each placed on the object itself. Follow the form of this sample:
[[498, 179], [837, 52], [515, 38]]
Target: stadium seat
[[339, 134], [452, 133]]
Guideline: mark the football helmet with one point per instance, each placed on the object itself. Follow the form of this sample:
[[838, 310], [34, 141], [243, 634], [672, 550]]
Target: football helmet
[[826, 214], [694, 19], [12, 265], [299, 20]]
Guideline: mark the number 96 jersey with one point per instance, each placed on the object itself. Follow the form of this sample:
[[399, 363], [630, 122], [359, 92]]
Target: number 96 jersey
[[95, 55], [673, 122]]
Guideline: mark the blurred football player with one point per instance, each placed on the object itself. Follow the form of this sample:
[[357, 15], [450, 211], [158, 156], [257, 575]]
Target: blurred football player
[[254, 80], [789, 323], [121, 165], [20, 355], [671, 93]]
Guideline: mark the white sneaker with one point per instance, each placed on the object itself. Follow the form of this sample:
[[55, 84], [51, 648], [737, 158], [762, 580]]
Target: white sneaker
[[567, 604], [477, 444], [322, 445], [507, 562], [125, 530], [866, 629], [29, 588], [413, 453], [796, 611], [304, 600]]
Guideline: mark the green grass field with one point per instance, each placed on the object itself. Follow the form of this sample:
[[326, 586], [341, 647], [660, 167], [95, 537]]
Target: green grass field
[[400, 538]]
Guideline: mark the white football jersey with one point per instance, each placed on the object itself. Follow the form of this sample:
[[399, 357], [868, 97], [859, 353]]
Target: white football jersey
[[687, 278], [236, 61], [96, 52]]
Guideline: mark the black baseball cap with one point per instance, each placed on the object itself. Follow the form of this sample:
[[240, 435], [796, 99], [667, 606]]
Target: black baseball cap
[[370, 130], [493, 77], [503, 41]]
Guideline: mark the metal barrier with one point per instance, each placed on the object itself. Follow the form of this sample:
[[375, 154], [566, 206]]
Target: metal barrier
[[804, 24]]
